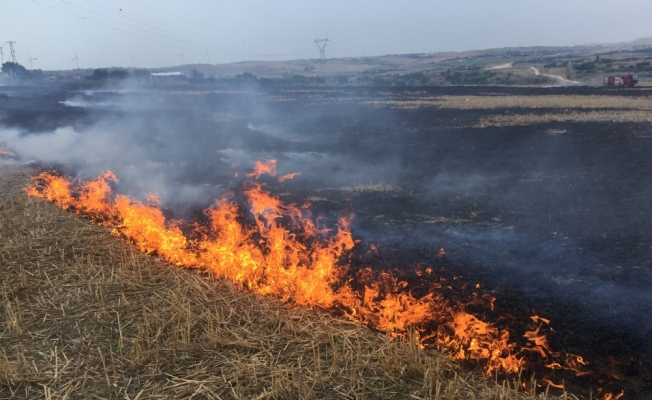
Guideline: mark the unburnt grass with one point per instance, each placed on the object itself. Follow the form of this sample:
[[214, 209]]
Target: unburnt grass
[[531, 110], [84, 315]]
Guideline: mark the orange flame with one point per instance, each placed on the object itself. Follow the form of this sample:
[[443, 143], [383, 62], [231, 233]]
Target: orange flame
[[52, 188], [540, 342], [610, 396], [552, 384], [285, 253], [288, 177], [6, 152], [263, 167]]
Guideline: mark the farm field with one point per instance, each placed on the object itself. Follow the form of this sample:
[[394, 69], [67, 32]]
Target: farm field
[[537, 198]]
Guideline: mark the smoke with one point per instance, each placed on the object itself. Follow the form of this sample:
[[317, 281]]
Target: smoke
[[186, 146], [129, 131], [544, 212]]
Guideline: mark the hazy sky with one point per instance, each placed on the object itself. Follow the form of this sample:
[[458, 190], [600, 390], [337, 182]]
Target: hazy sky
[[155, 33]]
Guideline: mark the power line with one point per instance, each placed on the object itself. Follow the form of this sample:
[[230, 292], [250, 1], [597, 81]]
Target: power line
[[111, 27], [192, 46], [127, 24], [135, 27], [176, 37], [224, 49]]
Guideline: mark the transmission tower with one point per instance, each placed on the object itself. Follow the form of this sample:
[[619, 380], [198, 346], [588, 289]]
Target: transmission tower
[[208, 57], [12, 52], [321, 43], [30, 61], [2, 57], [76, 60]]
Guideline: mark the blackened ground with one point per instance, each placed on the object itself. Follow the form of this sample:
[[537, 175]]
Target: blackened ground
[[554, 218]]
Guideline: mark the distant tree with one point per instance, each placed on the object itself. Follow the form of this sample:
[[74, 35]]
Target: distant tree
[[103, 74], [141, 74], [196, 76], [118, 73], [99, 74], [248, 77], [588, 66], [36, 74], [15, 69]]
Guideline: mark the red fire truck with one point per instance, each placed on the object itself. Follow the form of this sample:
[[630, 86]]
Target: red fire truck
[[628, 80]]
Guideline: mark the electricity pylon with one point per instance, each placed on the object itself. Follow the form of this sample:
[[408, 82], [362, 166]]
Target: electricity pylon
[[2, 57], [76, 60], [321, 43], [12, 52]]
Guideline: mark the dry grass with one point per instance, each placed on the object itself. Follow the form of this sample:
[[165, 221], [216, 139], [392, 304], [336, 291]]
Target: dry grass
[[370, 187], [567, 108], [415, 101], [85, 316], [571, 116]]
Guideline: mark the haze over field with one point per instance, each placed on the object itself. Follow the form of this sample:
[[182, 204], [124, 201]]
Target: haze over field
[[149, 33], [467, 176]]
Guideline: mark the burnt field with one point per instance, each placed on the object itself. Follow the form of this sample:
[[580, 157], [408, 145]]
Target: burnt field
[[538, 195]]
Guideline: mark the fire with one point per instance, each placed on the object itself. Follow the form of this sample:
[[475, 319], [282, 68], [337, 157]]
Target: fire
[[280, 250], [477, 340], [6, 152], [539, 341], [610, 396], [53, 188], [288, 177], [263, 167], [552, 384]]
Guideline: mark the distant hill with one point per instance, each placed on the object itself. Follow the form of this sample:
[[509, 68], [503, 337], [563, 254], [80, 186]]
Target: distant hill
[[538, 65]]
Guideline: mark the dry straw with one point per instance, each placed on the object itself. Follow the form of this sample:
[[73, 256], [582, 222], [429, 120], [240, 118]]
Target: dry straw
[[85, 316], [558, 108], [421, 100]]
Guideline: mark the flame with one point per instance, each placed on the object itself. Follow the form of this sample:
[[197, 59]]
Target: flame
[[552, 384], [536, 319], [280, 250], [611, 396], [288, 177], [263, 167], [52, 188], [93, 195], [540, 342], [477, 340], [6, 152]]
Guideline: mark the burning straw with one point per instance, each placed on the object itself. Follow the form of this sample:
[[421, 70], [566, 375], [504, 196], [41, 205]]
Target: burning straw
[[132, 317]]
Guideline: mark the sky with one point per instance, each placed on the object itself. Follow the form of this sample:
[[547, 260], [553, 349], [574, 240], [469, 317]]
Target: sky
[[162, 33]]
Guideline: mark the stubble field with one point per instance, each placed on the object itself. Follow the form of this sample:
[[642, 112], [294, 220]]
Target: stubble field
[[540, 196]]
